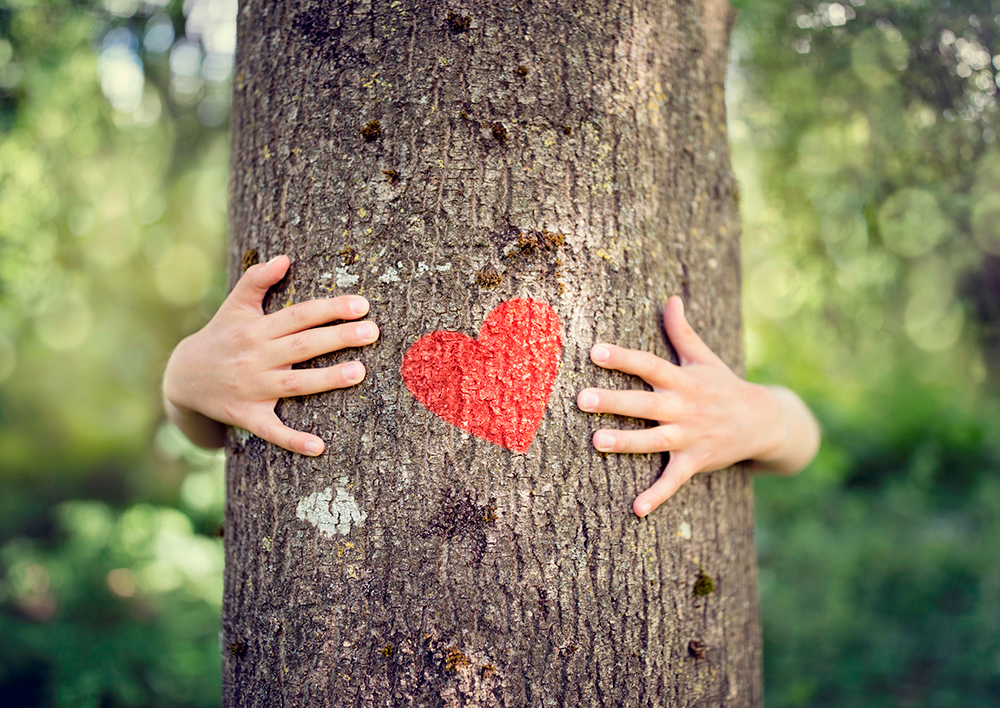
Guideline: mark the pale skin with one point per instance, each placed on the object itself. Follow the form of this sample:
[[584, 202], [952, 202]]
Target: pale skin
[[235, 369], [708, 418]]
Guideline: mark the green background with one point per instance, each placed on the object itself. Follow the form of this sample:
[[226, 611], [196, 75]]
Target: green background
[[864, 137]]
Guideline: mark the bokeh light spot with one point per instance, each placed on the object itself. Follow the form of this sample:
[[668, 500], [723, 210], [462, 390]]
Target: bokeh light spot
[[65, 322], [120, 70], [121, 582], [986, 223], [933, 323], [912, 223]]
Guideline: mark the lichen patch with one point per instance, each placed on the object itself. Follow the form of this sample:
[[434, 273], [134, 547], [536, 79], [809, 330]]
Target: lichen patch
[[391, 275], [345, 279], [333, 510]]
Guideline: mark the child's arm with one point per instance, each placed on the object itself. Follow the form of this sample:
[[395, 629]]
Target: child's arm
[[234, 370], [709, 418]]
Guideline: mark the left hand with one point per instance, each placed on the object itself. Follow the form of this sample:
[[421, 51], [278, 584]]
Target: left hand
[[707, 417]]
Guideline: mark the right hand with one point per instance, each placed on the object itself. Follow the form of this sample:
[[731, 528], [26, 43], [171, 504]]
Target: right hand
[[235, 369]]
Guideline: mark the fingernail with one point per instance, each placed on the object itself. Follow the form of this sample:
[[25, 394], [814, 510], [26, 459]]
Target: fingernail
[[600, 353], [644, 508], [358, 306], [354, 372], [588, 401], [313, 448], [273, 260], [604, 441], [366, 330]]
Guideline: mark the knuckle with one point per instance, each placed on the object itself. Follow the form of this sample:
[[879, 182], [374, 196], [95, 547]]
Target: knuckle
[[289, 384], [340, 307], [657, 366], [337, 338], [299, 343], [245, 339], [297, 313], [662, 438], [263, 430]]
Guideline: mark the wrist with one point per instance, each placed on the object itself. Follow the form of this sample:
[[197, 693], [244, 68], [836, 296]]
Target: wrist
[[196, 426], [773, 429]]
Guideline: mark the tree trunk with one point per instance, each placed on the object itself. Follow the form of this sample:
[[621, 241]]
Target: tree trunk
[[565, 167]]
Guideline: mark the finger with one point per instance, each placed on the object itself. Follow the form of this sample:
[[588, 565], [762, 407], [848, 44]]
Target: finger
[[255, 282], [678, 471], [270, 428], [636, 404], [306, 345], [305, 382], [689, 346], [647, 366], [659, 439], [312, 313]]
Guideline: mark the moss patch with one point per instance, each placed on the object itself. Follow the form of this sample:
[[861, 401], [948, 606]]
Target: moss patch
[[454, 660], [372, 131], [250, 258], [704, 585], [488, 277], [459, 23]]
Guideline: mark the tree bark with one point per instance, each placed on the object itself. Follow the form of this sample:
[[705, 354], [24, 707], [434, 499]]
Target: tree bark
[[443, 160]]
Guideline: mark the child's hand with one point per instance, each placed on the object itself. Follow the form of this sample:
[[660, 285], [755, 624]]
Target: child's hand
[[234, 370], [708, 417]]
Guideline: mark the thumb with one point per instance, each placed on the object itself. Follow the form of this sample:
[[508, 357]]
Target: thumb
[[678, 471], [685, 340], [254, 284]]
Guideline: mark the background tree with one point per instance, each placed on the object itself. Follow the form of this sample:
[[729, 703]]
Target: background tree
[[442, 161]]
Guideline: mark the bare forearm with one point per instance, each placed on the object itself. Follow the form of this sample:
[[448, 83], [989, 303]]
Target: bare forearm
[[199, 429], [799, 442]]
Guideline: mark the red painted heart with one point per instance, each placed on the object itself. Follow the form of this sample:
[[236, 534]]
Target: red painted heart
[[497, 386]]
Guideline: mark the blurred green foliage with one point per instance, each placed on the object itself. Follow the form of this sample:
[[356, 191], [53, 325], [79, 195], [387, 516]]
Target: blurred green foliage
[[864, 136], [113, 164]]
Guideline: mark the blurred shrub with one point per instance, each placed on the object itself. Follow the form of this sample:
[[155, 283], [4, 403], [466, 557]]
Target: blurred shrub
[[879, 578], [116, 607]]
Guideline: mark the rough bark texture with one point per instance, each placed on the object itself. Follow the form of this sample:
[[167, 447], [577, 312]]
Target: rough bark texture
[[414, 564]]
